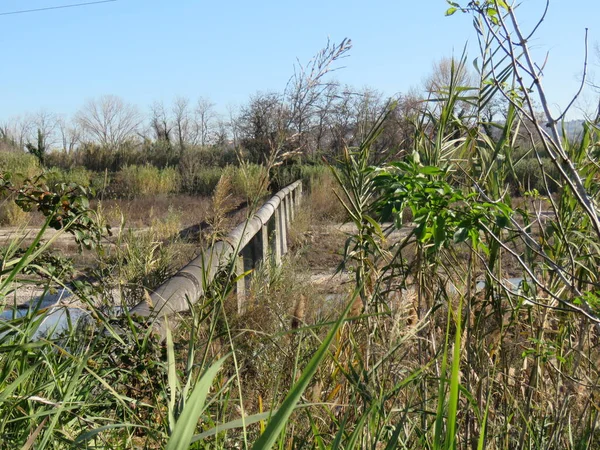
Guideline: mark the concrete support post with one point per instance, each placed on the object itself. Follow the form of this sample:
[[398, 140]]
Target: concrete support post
[[282, 227], [264, 244], [240, 284], [288, 211], [246, 262], [276, 237], [293, 205]]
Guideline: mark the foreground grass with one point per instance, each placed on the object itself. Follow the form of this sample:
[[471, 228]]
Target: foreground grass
[[420, 366]]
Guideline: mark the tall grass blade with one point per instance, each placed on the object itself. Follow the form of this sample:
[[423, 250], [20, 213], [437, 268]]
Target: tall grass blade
[[186, 424], [280, 418], [454, 382], [171, 376], [88, 435], [232, 425]]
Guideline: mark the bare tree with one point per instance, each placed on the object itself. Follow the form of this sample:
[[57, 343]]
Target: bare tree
[[322, 122], [264, 125], [7, 139], [221, 134], [160, 122], [234, 126], [445, 72], [47, 123], [341, 123], [367, 106], [70, 134], [42, 134], [16, 131], [205, 117], [109, 121], [182, 120]]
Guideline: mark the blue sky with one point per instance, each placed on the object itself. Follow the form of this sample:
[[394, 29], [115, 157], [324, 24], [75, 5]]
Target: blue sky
[[147, 50]]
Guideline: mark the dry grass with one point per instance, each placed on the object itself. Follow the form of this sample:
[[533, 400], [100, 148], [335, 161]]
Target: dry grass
[[324, 204], [141, 212], [11, 215]]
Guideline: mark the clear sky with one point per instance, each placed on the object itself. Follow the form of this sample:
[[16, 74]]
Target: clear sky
[[147, 50]]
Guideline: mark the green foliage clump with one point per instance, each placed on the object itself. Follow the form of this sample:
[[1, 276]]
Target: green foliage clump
[[200, 180], [249, 181], [141, 181], [78, 175], [312, 175], [529, 175], [22, 165]]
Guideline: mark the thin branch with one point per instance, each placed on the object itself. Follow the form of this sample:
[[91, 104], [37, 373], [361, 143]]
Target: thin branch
[[539, 21]]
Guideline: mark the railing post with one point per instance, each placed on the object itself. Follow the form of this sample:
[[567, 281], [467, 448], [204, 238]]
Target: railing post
[[240, 284], [264, 246], [299, 195], [288, 211], [246, 262], [276, 237], [293, 204], [282, 227]]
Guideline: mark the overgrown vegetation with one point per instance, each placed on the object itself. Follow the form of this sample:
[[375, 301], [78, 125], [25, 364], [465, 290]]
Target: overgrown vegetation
[[472, 325]]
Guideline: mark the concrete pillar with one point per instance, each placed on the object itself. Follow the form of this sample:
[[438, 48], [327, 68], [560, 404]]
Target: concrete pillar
[[275, 236], [240, 284], [282, 227], [264, 246], [292, 205], [246, 263], [288, 211]]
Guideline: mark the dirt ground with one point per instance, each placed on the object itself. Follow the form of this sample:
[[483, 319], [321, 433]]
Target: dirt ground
[[322, 253]]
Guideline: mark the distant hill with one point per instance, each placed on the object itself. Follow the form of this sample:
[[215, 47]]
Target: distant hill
[[573, 128]]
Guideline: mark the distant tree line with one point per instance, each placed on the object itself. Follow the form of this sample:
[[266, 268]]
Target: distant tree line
[[338, 116], [312, 119]]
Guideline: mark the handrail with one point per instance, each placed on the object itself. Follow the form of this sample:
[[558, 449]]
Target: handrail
[[264, 234]]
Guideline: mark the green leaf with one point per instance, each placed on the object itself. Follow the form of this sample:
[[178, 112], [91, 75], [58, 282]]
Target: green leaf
[[171, 376], [454, 381], [439, 230], [461, 234], [186, 424], [84, 437], [232, 425], [502, 221], [431, 170], [502, 4], [451, 11]]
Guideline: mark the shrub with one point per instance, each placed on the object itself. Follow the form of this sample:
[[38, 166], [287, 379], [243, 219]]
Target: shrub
[[310, 174], [160, 154], [11, 214], [61, 159], [136, 181], [22, 165], [100, 158], [78, 175], [250, 181], [201, 168], [323, 202], [211, 156], [200, 180], [528, 176]]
